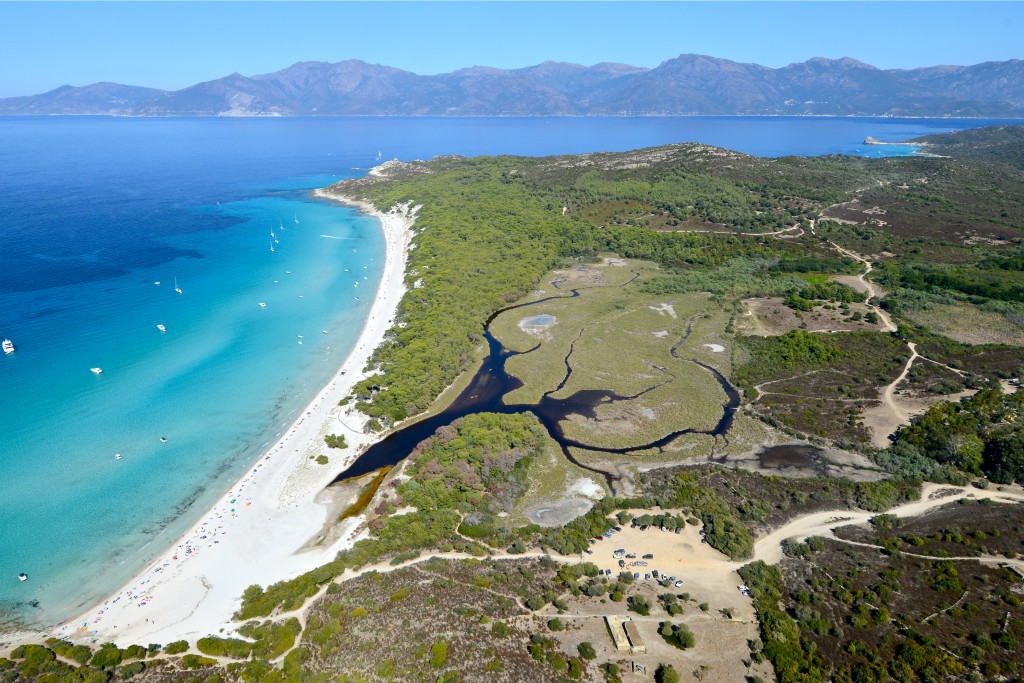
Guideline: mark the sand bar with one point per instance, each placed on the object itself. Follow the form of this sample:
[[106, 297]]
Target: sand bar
[[256, 531]]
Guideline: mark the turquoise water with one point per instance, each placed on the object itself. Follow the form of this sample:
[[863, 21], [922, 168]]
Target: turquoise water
[[95, 210], [219, 384]]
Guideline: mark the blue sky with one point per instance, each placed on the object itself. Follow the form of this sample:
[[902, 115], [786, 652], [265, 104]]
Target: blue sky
[[171, 45]]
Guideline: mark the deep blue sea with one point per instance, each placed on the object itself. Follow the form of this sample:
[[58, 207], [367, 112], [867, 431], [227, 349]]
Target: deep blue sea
[[95, 211]]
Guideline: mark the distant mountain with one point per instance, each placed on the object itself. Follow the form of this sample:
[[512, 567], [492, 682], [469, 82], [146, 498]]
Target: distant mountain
[[688, 84]]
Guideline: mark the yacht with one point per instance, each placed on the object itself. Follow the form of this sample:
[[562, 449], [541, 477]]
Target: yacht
[[8, 346], [161, 328], [97, 371]]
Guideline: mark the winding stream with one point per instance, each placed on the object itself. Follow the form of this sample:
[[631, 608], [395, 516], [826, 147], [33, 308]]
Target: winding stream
[[490, 384]]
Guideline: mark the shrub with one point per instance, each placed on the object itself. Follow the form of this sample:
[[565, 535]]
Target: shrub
[[321, 459], [677, 635], [639, 604], [197, 661], [107, 656], [176, 648], [586, 650], [335, 441], [129, 670], [666, 673]]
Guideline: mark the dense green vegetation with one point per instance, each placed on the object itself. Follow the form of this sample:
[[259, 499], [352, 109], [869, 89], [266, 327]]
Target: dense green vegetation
[[794, 658], [461, 478], [505, 216], [983, 435]]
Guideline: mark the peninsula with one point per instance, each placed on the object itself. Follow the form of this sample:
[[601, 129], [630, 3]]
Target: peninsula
[[760, 415]]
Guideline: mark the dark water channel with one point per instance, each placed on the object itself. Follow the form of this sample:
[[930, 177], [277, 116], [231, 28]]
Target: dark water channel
[[491, 383]]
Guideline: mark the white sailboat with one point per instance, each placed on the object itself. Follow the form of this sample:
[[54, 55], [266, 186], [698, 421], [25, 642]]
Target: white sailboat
[[176, 287], [378, 155]]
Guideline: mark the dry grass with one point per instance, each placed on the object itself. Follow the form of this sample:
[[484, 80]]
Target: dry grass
[[771, 317], [968, 324]]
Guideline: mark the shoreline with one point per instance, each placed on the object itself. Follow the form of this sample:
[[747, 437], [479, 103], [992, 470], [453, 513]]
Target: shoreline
[[259, 530]]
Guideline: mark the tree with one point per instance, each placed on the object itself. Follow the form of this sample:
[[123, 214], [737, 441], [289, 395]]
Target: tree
[[666, 673], [586, 650]]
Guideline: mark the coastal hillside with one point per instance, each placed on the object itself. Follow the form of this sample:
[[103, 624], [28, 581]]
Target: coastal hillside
[[686, 85]]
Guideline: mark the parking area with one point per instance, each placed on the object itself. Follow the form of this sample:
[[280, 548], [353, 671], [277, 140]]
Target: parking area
[[708, 575]]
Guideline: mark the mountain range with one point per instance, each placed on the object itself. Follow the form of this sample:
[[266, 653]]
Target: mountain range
[[686, 85]]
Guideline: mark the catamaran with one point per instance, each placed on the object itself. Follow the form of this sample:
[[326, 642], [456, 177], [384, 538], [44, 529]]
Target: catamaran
[[8, 346]]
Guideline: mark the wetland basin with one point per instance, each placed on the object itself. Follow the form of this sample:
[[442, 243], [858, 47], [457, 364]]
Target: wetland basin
[[486, 392]]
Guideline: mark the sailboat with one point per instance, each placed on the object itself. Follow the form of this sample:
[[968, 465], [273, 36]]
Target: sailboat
[[176, 287], [378, 155]]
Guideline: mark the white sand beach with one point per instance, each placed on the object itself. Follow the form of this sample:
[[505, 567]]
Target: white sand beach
[[256, 531]]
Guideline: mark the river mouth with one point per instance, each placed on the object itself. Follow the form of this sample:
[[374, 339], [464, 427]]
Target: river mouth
[[491, 383], [789, 455]]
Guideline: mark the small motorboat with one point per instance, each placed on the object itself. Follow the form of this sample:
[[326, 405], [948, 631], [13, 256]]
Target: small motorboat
[[161, 328], [96, 371], [23, 577], [117, 456], [163, 439]]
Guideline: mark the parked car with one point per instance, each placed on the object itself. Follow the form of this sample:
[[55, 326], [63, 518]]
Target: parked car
[[631, 556], [622, 563], [649, 556], [654, 573], [647, 577], [636, 575], [679, 584]]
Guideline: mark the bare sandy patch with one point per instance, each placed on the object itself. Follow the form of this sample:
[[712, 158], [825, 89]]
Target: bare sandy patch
[[665, 309], [770, 316]]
